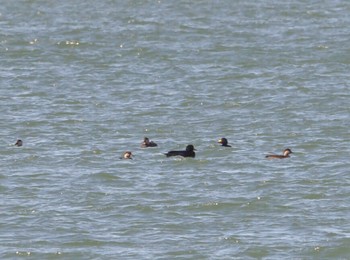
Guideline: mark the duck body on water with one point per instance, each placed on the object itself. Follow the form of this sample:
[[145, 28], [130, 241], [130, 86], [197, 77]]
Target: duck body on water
[[286, 153], [189, 152], [19, 142], [147, 143], [127, 155], [224, 142]]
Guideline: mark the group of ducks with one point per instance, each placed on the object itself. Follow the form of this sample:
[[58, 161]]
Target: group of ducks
[[189, 152]]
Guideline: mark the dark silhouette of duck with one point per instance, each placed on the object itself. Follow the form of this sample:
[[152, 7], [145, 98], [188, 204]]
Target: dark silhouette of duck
[[147, 143], [19, 142], [127, 155], [223, 141], [189, 152], [286, 153]]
